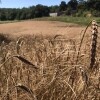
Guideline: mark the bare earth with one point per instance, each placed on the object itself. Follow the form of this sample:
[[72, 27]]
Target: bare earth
[[41, 27]]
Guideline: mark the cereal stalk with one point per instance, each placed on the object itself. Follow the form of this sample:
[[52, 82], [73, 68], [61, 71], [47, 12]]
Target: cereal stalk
[[94, 43], [82, 42], [21, 59]]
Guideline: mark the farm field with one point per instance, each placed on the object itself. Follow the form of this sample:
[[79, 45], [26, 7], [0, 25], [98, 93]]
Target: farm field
[[71, 30], [49, 60], [41, 27]]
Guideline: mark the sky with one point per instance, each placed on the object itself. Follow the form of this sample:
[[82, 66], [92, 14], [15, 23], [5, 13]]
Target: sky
[[27, 3]]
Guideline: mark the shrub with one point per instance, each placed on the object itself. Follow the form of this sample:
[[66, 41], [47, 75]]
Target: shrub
[[96, 13]]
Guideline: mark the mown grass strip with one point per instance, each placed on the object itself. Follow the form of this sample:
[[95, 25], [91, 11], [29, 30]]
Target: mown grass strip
[[70, 19]]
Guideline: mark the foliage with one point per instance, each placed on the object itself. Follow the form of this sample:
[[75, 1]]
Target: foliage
[[73, 4], [63, 6], [73, 8], [93, 4], [24, 13], [96, 13], [54, 8], [41, 11], [71, 19]]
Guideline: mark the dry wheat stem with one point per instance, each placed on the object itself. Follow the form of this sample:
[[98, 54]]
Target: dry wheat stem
[[27, 90], [82, 42], [20, 58], [56, 36], [23, 88], [94, 42], [7, 92], [70, 87]]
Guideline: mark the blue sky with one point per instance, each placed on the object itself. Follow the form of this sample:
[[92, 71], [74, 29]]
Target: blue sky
[[27, 3]]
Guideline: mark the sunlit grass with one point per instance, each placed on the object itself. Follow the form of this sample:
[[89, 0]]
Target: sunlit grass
[[67, 19], [70, 19]]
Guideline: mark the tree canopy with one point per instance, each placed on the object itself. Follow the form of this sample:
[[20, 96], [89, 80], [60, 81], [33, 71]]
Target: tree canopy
[[24, 13], [79, 7]]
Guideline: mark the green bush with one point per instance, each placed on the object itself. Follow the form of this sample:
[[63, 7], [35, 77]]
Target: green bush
[[96, 13], [78, 14], [82, 13]]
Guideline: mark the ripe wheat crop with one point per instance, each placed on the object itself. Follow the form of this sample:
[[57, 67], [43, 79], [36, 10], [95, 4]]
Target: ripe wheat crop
[[51, 68]]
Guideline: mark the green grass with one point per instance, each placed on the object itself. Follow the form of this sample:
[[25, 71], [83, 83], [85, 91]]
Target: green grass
[[70, 19], [13, 21], [67, 19]]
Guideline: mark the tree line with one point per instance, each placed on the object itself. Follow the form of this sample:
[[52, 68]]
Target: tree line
[[73, 7], [24, 13], [78, 8]]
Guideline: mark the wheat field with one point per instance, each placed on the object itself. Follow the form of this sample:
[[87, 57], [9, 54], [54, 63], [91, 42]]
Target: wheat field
[[51, 67]]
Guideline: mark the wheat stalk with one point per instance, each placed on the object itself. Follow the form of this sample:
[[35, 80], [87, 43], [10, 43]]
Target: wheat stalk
[[94, 43], [82, 42], [70, 88], [21, 59], [26, 89], [18, 44]]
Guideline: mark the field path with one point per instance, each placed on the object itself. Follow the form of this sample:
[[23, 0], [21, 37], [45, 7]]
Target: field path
[[41, 27]]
